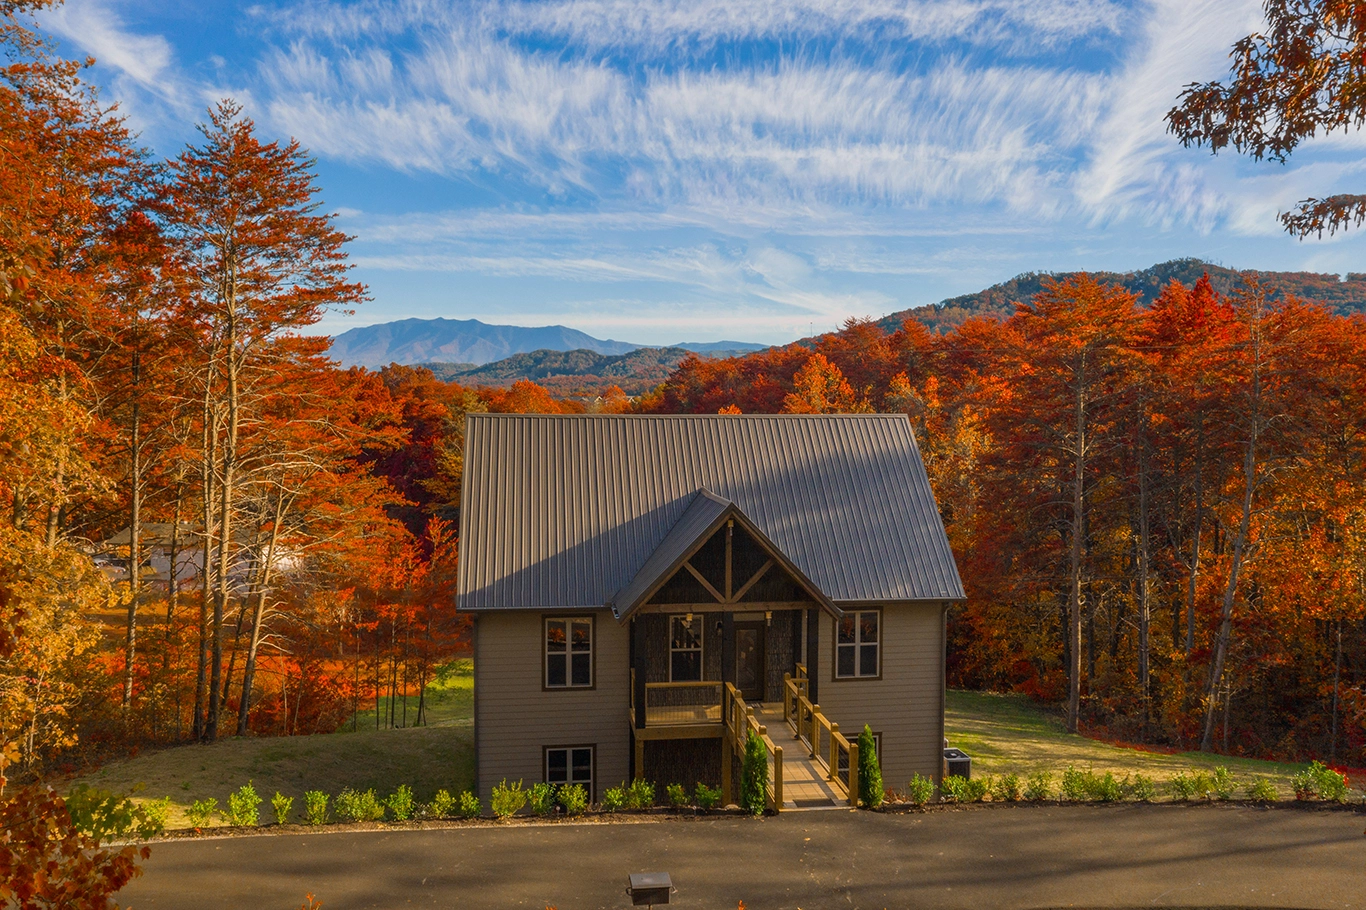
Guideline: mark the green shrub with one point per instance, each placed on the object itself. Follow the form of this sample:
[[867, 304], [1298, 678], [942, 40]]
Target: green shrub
[[442, 805], [754, 779], [244, 806], [1039, 787], [640, 794], [470, 806], [870, 790], [315, 807], [706, 797], [1195, 785], [614, 799], [1262, 790], [954, 789], [976, 789], [507, 799], [1076, 785], [678, 796], [1008, 788], [282, 805], [1320, 782], [400, 803], [541, 798], [920, 790], [104, 815], [1105, 789], [202, 811], [356, 806], [1222, 785], [1141, 788], [574, 799]]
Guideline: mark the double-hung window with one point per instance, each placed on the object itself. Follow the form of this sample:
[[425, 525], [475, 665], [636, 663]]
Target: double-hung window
[[569, 652], [857, 644], [685, 649], [570, 765]]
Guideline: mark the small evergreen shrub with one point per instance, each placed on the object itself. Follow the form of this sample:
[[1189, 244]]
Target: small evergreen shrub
[[282, 805], [507, 799], [1075, 785], [400, 803], [202, 811], [1262, 790], [678, 796], [707, 797], [574, 799], [315, 807], [976, 789], [1222, 785], [1008, 788], [754, 779], [954, 789], [1039, 787], [470, 806], [244, 806], [1182, 787], [1105, 789], [1320, 782], [442, 805], [920, 790], [1141, 788], [870, 790], [356, 806], [640, 794], [614, 799], [104, 815], [541, 798]]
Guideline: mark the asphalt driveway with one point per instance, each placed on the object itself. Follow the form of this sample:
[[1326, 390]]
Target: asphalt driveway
[[1008, 857]]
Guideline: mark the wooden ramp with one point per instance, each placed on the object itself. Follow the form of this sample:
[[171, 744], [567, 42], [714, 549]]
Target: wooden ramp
[[804, 783]]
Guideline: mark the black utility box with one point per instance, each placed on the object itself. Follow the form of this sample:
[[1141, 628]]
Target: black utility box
[[959, 763], [650, 888]]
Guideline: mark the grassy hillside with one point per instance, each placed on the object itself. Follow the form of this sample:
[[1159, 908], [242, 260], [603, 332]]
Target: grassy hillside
[[1002, 733], [1010, 734]]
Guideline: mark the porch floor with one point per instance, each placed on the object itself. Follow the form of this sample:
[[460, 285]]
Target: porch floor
[[804, 783]]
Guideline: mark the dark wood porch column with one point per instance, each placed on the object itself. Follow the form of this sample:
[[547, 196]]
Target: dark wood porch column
[[638, 665], [813, 652], [727, 647]]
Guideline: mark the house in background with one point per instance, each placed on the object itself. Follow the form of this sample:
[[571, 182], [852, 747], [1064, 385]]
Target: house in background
[[646, 590]]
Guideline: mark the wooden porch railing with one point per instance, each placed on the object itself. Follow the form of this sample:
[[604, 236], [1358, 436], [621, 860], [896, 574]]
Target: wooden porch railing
[[740, 721], [821, 736]]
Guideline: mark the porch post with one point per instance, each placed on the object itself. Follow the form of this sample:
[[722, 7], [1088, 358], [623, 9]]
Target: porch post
[[813, 653], [727, 648], [638, 665]]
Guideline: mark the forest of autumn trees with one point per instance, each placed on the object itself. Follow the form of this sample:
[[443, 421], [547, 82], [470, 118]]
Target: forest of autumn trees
[[1159, 514]]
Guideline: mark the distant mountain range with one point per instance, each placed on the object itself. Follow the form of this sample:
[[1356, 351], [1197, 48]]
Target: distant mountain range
[[474, 343], [1343, 295], [576, 373]]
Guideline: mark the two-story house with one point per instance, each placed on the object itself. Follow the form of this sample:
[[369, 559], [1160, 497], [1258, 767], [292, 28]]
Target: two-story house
[[645, 589]]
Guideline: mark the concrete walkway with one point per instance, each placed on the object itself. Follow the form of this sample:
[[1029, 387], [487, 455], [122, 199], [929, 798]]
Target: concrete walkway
[[1012, 858]]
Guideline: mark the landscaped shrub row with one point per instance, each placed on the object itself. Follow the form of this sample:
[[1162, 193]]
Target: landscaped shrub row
[[319, 808], [1316, 782]]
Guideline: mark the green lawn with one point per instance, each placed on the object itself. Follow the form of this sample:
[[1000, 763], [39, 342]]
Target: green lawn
[[1010, 734], [428, 758], [1003, 734]]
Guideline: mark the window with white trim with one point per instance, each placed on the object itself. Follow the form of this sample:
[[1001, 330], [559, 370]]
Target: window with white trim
[[570, 765], [569, 652], [685, 648], [857, 644]]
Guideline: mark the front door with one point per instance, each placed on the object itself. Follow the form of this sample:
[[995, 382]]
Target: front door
[[749, 660]]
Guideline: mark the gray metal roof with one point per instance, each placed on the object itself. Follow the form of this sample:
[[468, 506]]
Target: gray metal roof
[[565, 510], [700, 520]]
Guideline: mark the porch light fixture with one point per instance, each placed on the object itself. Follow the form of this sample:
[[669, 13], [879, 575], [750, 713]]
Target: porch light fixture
[[649, 888], [687, 618], [768, 617]]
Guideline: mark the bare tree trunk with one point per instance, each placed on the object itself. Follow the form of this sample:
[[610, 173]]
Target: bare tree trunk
[[1337, 674], [1195, 542], [134, 550], [1074, 563], [1144, 602], [249, 672], [225, 494], [208, 458]]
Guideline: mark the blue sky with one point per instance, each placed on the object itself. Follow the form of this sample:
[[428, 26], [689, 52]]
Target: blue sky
[[666, 170]]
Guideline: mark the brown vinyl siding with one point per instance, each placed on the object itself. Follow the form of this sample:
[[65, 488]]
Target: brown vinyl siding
[[515, 719], [905, 704]]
